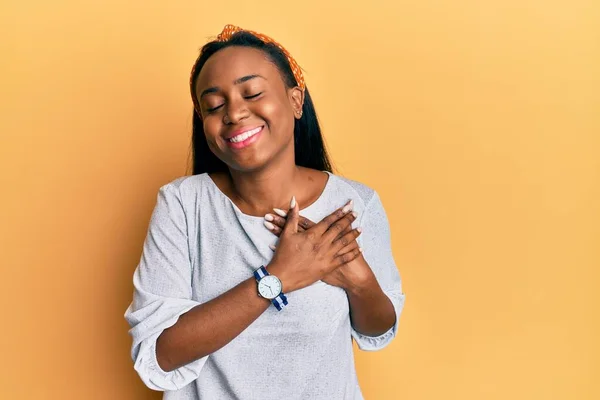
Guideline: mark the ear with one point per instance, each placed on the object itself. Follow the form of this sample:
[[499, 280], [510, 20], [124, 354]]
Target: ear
[[296, 96]]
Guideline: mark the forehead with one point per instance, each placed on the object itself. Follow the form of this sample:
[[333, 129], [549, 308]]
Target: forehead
[[231, 63]]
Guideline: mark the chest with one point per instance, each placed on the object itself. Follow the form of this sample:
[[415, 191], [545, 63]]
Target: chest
[[229, 254]]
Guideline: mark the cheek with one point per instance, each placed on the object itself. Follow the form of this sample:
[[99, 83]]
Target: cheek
[[269, 112], [212, 132], [277, 114]]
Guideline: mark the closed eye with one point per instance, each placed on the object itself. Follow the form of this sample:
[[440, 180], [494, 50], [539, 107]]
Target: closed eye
[[213, 109], [210, 110], [253, 96]]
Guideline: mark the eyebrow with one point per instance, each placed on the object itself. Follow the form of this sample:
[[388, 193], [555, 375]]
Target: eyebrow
[[236, 82]]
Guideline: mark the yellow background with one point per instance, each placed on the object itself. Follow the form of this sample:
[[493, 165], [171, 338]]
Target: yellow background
[[477, 121]]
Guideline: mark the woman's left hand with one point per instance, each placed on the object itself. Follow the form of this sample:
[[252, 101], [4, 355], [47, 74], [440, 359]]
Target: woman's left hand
[[349, 276]]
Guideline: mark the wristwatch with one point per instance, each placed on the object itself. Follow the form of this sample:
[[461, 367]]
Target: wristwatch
[[269, 287]]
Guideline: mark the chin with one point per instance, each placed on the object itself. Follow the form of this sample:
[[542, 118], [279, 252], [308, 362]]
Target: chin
[[247, 164], [251, 160], [248, 167]]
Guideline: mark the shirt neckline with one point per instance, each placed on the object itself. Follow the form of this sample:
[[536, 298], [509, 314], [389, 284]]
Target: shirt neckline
[[254, 217]]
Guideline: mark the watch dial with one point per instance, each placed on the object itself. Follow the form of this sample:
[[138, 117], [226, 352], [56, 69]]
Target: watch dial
[[269, 287]]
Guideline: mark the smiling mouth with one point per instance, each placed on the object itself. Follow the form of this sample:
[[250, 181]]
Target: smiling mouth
[[245, 136]]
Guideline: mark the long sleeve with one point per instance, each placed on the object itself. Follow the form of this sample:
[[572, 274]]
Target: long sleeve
[[377, 251], [162, 292]]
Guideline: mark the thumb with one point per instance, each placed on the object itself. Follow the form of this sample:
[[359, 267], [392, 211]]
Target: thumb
[[293, 218]]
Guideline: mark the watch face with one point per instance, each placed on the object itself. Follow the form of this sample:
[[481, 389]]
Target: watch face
[[269, 287]]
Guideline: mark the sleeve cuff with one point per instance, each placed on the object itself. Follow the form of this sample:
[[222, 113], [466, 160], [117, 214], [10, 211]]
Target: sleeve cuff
[[374, 343], [157, 379], [144, 348]]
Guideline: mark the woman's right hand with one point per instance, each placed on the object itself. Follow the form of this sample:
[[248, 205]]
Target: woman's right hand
[[302, 258]]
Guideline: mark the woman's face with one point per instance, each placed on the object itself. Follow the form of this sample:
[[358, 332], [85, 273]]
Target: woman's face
[[247, 111]]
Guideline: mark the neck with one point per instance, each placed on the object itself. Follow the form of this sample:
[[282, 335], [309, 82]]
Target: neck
[[258, 192]]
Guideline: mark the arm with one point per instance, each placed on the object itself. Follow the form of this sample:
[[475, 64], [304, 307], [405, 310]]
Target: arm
[[375, 295], [371, 281], [371, 311], [209, 326], [173, 334]]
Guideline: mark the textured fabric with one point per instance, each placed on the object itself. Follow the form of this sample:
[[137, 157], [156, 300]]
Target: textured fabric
[[199, 245]]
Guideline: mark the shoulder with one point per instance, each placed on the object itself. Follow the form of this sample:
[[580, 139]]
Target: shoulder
[[186, 187], [369, 205], [356, 190]]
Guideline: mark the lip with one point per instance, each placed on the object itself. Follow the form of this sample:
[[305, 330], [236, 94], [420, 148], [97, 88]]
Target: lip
[[247, 142], [241, 130]]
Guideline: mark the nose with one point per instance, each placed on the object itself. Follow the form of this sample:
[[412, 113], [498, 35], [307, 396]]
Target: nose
[[235, 112]]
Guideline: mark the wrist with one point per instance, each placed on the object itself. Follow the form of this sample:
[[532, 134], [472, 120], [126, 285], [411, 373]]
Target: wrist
[[278, 271], [359, 287]]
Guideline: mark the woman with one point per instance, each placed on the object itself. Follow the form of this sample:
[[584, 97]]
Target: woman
[[255, 273]]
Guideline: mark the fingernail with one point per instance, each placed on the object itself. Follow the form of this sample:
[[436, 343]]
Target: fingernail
[[269, 217], [269, 225], [280, 212], [359, 230], [360, 249], [354, 214], [272, 247], [293, 202], [348, 207]]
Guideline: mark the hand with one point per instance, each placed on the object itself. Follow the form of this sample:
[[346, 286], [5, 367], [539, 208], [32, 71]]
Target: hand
[[349, 275], [305, 255]]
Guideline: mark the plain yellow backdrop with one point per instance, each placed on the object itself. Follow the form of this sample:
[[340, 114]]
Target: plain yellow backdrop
[[477, 122]]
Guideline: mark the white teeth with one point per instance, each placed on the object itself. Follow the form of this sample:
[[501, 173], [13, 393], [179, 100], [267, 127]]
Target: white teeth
[[245, 135]]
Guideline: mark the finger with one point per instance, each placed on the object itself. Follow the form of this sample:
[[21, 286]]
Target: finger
[[291, 224], [338, 227], [346, 240], [347, 257], [348, 229], [352, 246], [276, 230], [326, 222], [352, 217], [305, 223], [280, 212], [277, 220]]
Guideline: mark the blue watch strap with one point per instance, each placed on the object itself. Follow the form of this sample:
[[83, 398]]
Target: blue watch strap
[[280, 301], [260, 273]]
